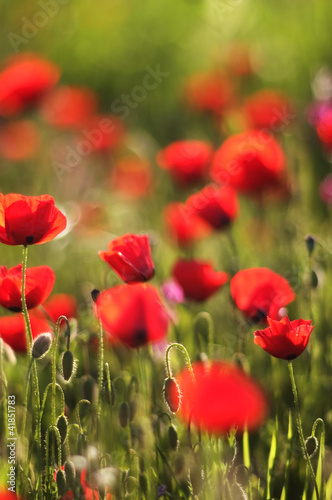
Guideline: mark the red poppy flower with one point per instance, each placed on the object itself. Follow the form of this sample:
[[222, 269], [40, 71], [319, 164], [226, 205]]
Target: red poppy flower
[[18, 140], [89, 493], [209, 92], [68, 107], [5, 494], [221, 397], [61, 304], [24, 80], [187, 161], [184, 226], [238, 60], [99, 133], [38, 286], [198, 279], [28, 220], [217, 205], [259, 292], [131, 177], [130, 257], [133, 314], [284, 339], [268, 109], [12, 330], [250, 162]]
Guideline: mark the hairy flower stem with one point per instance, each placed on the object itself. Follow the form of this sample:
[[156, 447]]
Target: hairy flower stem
[[54, 351], [100, 371], [29, 341], [168, 365], [300, 429]]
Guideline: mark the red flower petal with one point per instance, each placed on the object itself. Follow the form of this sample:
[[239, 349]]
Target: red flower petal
[[133, 314], [27, 220], [19, 140], [12, 330], [220, 398], [268, 109], [198, 279], [130, 257], [184, 226], [38, 286], [260, 292], [250, 162]]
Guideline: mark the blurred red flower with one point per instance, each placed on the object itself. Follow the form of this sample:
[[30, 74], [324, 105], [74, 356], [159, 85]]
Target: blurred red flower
[[61, 304], [221, 397], [130, 257], [324, 128], [217, 205], [99, 133], [268, 109], [238, 60], [183, 225], [198, 279], [5, 494], [259, 292], [133, 314], [284, 339], [19, 140], [131, 177], [187, 161], [250, 162], [12, 330], [68, 106], [38, 286], [209, 92], [24, 79], [28, 220], [88, 492]]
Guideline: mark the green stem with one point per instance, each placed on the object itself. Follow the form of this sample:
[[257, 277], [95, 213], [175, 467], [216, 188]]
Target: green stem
[[300, 429], [54, 351], [184, 350], [100, 368], [28, 331]]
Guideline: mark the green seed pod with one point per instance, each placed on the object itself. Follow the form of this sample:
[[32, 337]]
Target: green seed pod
[[124, 414], [62, 425], [41, 345], [70, 474], [61, 482], [172, 394], [314, 279], [67, 365], [173, 437]]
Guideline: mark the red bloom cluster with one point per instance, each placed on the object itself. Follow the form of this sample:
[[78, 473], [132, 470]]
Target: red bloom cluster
[[38, 286], [259, 292], [23, 81], [250, 162], [19, 140], [187, 161], [284, 339], [133, 314], [220, 398], [130, 257], [198, 279], [27, 220]]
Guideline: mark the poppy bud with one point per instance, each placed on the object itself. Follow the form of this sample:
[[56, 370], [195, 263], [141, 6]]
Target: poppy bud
[[61, 482], [314, 279], [124, 414], [310, 242], [70, 473], [81, 444], [132, 409], [41, 345], [62, 426], [172, 394], [67, 365], [173, 437]]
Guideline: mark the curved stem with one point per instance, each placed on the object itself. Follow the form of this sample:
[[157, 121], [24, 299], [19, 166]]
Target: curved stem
[[300, 429], [184, 350]]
